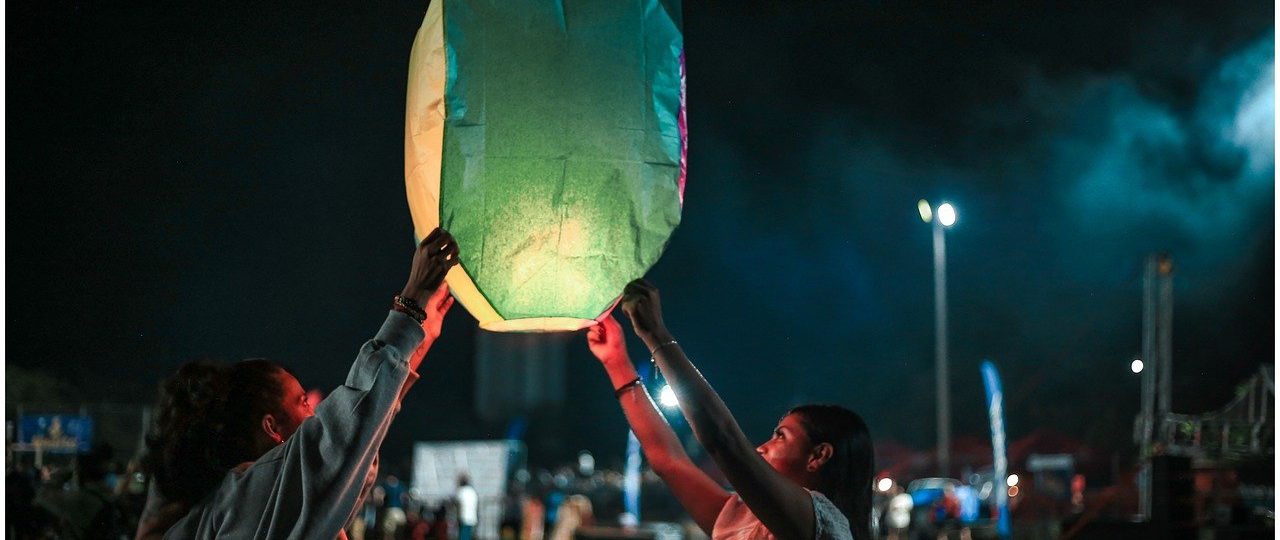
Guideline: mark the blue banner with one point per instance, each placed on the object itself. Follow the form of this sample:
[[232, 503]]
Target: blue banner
[[1000, 463], [56, 433]]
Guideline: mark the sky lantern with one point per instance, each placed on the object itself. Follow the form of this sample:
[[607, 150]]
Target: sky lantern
[[549, 138]]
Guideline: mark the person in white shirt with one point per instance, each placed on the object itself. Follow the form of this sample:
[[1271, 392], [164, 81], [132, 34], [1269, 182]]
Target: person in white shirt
[[468, 508]]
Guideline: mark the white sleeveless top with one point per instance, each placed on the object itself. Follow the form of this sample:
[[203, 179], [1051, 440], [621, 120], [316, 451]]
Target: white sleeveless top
[[736, 522]]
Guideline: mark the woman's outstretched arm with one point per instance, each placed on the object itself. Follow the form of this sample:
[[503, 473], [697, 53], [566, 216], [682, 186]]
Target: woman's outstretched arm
[[697, 492], [308, 486], [784, 507]]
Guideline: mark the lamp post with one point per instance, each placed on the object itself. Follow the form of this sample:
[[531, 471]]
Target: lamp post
[[945, 217]]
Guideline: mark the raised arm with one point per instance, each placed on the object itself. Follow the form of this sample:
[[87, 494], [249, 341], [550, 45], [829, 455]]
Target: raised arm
[[697, 492], [784, 507], [329, 458], [425, 292], [436, 307], [308, 486]]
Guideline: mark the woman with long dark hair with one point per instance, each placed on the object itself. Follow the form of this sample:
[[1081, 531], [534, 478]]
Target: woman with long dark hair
[[810, 480], [237, 451]]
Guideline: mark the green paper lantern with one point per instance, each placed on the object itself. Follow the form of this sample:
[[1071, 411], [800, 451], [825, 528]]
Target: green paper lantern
[[549, 137]]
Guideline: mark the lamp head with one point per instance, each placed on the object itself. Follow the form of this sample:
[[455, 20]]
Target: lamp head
[[946, 214], [926, 213]]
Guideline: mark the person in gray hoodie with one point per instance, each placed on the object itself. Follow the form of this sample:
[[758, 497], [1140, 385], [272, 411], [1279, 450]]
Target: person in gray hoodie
[[237, 451]]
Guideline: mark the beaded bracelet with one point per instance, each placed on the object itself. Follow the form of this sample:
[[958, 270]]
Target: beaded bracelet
[[409, 307]]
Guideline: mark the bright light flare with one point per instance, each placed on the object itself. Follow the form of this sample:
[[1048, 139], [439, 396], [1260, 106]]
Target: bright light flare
[[1012, 480], [1136, 365], [884, 484], [946, 214], [667, 397]]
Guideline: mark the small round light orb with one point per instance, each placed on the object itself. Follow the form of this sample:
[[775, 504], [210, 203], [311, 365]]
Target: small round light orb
[[884, 484], [926, 212], [946, 214], [667, 397], [1013, 480], [1136, 365]]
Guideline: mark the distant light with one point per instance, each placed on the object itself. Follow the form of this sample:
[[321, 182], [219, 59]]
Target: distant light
[[1136, 366], [667, 397], [898, 515], [946, 214], [1013, 491], [926, 213], [1013, 480], [884, 484]]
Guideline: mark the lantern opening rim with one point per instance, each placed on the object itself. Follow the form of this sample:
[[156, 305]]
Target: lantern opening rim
[[538, 324]]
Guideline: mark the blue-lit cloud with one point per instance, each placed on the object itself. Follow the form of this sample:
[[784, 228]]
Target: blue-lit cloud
[[1140, 172], [1250, 78]]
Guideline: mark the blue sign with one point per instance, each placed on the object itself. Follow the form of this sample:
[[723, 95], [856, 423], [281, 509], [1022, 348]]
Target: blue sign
[[969, 505], [1000, 463], [57, 433]]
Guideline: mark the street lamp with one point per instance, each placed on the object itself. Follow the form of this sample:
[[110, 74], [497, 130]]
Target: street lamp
[[945, 217]]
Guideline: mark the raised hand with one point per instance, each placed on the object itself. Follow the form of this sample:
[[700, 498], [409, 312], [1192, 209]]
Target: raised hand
[[643, 305], [436, 254], [436, 307], [607, 342]]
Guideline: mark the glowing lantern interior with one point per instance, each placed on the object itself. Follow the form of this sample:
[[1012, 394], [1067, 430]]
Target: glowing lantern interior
[[549, 138]]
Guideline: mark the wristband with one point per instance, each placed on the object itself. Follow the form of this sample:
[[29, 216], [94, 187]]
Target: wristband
[[634, 382]]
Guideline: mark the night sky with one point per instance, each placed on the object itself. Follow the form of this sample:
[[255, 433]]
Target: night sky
[[210, 181]]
